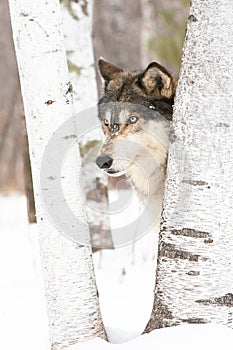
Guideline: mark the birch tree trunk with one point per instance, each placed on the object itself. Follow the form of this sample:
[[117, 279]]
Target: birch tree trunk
[[195, 265], [77, 28], [73, 308]]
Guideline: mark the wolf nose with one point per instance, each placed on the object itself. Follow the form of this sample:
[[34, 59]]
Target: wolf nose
[[104, 162]]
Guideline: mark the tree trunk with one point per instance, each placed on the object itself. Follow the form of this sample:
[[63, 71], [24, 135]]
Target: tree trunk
[[117, 33], [10, 122], [77, 29], [28, 185], [73, 308], [15, 173], [11, 132], [195, 265]]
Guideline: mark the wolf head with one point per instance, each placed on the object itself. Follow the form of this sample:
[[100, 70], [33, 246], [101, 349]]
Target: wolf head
[[135, 111]]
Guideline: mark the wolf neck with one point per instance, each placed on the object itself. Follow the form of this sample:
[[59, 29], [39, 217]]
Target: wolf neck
[[147, 172], [149, 187], [148, 179]]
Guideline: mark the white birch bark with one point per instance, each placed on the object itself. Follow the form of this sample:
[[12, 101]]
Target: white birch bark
[[77, 29], [77, 18], [73, 309], [195, 265]]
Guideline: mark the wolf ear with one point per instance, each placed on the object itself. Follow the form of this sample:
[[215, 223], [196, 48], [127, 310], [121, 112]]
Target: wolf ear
[[157, 79], [107, 70]]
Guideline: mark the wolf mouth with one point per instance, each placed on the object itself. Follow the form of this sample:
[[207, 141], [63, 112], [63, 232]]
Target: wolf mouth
[[114, 173]]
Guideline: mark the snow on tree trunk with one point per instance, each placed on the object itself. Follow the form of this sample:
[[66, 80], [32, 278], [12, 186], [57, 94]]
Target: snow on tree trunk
[[73, 309], [195, 264]]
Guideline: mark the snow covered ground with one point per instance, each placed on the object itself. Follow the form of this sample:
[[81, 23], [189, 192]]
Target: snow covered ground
[[125, 279], [125, 290], [189, 337], [23, 322]]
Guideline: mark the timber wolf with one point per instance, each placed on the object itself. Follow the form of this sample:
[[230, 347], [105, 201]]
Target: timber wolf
[[135, 112]]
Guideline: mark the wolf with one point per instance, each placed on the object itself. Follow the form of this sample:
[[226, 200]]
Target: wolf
[[135, 112]]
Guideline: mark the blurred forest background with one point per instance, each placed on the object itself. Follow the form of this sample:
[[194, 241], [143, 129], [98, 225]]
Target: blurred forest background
[[129, 34]]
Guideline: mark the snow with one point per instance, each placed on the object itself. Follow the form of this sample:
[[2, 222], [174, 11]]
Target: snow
[[191, 337], [23, 319], [125, 279]]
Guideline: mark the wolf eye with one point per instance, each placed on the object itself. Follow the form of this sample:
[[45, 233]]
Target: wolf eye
[[106, 122], [133, 120]]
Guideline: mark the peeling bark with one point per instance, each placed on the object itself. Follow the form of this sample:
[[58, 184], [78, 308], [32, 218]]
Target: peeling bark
[[187, 232], [225, 300], [170, 251], [194, 321], [195, 266]]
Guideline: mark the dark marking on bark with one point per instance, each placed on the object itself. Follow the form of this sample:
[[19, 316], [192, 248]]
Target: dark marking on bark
[[74, 68], [24, 14], [189, 232], [195, 182], [49, 102], [84, 7], [160, 316], [225, 125], [192, 18], [51, 178], [205, 259], [70, 88], [193, 273], [73, 136], [208, 241], [55, 346], [172, 136], [68, 6], [225, 300], [195, 320], [78, 246], [169, 251]]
